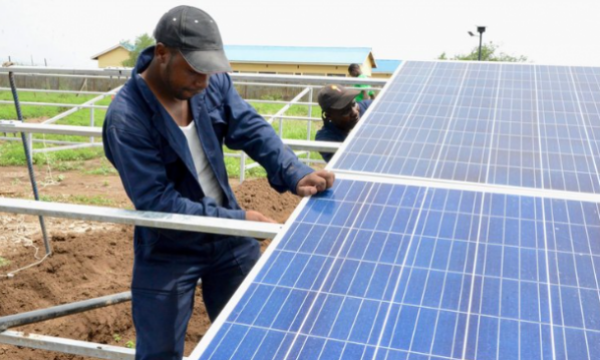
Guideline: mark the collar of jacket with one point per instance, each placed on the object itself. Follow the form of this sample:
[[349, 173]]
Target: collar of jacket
[[166, 126]]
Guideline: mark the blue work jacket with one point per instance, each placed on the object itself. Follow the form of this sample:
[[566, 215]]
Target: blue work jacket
[[330, 132], [153, 159]]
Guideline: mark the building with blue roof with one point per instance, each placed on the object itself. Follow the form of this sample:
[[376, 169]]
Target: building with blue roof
[[385, 68], [288, 60], [299, 60]]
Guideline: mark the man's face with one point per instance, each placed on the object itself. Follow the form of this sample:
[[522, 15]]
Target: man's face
[[355, 71], [182, 80], [346, 118]]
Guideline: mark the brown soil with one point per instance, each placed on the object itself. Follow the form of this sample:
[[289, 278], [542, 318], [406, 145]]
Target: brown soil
[[90, 259]]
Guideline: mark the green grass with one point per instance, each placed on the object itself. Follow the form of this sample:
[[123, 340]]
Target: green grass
[[78, 199], [8, 111], [129, 344], [12, 154], [4, 262], [105, 168]]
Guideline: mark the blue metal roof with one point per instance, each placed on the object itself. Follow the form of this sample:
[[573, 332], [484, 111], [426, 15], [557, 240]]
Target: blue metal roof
[[297, 54], [386, 66], [127, 45]]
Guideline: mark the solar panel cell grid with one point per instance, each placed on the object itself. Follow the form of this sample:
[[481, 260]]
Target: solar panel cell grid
[[463, 275], [519, 125]]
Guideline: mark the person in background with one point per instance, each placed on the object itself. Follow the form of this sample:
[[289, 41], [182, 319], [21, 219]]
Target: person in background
[[340, 113], [164, 133], [355, 71]]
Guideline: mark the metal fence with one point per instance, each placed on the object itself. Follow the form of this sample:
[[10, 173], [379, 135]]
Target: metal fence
[[304, 87], [305, 96]]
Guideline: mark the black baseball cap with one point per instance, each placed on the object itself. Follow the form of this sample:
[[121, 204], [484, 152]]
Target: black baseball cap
[[197, 37], [336, 97]]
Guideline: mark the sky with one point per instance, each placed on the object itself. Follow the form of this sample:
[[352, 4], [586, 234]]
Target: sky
[[67, 33]]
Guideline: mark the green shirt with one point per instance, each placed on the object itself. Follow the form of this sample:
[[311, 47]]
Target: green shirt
[[359, 97]]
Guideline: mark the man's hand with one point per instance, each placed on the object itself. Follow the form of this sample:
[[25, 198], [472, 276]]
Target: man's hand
[[315, 182], [256, 216]]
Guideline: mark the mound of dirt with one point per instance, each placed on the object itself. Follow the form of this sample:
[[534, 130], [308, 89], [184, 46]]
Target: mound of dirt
[[92, 260]]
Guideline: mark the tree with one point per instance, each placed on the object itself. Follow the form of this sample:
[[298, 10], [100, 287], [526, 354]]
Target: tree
[[141, 42], [488, 53]]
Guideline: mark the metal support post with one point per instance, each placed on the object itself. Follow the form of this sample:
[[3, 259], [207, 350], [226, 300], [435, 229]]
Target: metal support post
[[280, 128], [151, 219], [29, 143], [309, 126], [91, 123], [242, 167], [54, 312], [68, 346], [29, 160]]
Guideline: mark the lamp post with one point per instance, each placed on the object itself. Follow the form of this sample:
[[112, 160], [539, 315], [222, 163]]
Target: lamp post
[[480, 30]]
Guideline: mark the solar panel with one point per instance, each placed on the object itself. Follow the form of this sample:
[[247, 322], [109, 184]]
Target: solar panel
[[464, 224], [509, 124], [379, 271]]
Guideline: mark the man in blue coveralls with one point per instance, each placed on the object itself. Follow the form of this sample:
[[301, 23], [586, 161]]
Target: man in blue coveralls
[[164, 132], [340, 113]]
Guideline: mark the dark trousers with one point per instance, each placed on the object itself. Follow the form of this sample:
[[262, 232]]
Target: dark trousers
[[163, 292]]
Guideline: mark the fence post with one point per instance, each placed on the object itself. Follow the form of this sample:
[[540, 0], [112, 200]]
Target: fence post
[[309, 127], [281, 128], [92, 122], [30, 144], [28, 148], [242, 167]]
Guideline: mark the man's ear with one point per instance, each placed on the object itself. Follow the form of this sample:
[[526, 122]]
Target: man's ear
[[161, 53]]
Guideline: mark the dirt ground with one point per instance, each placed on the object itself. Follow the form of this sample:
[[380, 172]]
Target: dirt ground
[[90, 259]]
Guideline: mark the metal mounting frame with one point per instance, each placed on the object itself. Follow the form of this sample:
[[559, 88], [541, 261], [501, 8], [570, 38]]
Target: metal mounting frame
[[140, 218]]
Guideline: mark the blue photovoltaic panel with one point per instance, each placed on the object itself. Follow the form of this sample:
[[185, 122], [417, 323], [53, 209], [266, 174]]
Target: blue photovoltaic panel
[[379, 271], [564, 132], [372, 270], [587, 87], [509, 124]]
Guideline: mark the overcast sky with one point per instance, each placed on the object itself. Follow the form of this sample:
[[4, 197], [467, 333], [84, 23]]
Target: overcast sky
[[69, 32]]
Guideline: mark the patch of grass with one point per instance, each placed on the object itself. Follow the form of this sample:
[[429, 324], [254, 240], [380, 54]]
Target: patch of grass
[[233, 168], [4, 262], [78, 199], [130, 344], [102, 170], [12, 154], [8, 111], [67, 165], [91, 200], [294, 110]]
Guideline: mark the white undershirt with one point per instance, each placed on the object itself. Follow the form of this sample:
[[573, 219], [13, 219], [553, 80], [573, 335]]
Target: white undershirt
[[206, 176]]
